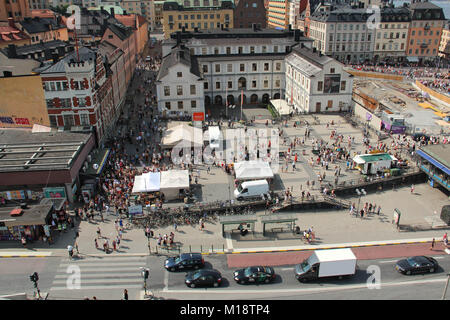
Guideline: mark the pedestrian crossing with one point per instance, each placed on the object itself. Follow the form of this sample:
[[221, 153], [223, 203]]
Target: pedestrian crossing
[[99, 273]]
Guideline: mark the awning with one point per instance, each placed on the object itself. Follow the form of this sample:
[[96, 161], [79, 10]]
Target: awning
[[247, 170], [412, 59], [436, 163], [147, 182], [97, 163]]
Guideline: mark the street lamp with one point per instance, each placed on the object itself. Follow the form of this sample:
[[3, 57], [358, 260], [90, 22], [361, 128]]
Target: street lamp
[[35, 278], [145, 274], [360, 193]]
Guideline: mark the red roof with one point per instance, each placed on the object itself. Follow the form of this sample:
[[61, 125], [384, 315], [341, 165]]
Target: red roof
[[127, 20], [42, 13], [8, 33]]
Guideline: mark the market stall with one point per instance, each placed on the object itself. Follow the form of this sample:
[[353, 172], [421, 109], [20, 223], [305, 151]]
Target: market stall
[[147, 182], [183, 133], [252, 170], [373, 163], [174, 183]]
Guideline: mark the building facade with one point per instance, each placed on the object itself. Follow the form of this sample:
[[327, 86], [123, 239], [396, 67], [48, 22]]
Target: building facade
[[392, 35], [240, 65], [250, 12], [343, 34], [17, 9], [278, 14], [427, 22], [179, 85], [196, 14], [316, 83], [43, 29], [444, 46]]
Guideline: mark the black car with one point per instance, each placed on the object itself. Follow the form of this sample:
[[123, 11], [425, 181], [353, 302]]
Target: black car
[[203, 278], [254, 275], [185, 261], [418, 264]]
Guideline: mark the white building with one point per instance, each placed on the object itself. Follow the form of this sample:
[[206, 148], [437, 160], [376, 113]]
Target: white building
[[179, 85], [316, 83], [240, 64]]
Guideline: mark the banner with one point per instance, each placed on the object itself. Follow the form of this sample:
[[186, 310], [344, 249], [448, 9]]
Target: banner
[[135, 209], [59, 192]]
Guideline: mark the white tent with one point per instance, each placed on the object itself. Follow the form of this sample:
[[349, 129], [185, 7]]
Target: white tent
[[214, 137], [183, 132], [147, 182], [281, 106], [172, 181], [249, 170]]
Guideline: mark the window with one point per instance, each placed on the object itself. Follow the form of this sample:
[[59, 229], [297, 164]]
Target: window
[[254, 67], [180, 105], [230, 84], [332, 70], [320, 86], [84, 119], [252, 49], [166, 91], [192, 88], [66, 103], [242, 67], [240, 50], [343, 83], [168, 105], [205, 85], [266, 67], [217, 85], [229, 67], [204, 51], [277, 83], [179, 90], [217, 67], [49, 103], [179, 74], [216, 50], [193, 104], [253, 83], [275, 49], [266, 83], [278, 66], [264, 49], [53, 122], [228, 50], [68, 120], [205, 68]]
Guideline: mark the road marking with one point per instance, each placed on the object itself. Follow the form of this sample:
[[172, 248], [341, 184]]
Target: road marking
[[131, 286], [388, 261], [304, 290], [229, 242], [166, 281], [285, 269]]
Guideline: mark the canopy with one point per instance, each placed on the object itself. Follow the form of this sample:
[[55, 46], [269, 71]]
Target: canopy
[[281, 106], [214, 136], [175, 179], [183, 132], [148, 182], [247, 170]]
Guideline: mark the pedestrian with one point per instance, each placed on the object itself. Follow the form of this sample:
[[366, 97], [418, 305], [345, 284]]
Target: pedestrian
[[96, 243], [114, 245], [125, 294], [76, 247], [445, 239], [432, 244], [175, 226], [99, 234], [412, 189], [379, 210], [24, 241]]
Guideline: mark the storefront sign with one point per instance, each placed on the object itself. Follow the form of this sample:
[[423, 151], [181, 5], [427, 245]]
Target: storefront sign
[[20, 121], [135, 209], [55, 192], [198, 116]]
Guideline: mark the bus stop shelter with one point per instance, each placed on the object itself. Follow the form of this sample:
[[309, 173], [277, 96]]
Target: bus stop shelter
[[237, 220], [278, 218]]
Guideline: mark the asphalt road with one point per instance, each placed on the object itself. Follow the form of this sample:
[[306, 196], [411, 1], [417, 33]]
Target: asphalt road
[[106, 278]]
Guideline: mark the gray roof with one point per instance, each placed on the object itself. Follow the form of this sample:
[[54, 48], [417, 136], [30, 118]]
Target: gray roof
[[36, 25], [179, 55], [439, 152], [85, 54], [312, 57], [237, 57], [22, 150]]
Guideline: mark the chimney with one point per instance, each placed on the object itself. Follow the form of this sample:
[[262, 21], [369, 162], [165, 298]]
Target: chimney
[[12, 51], [112, 13], [11, 22]]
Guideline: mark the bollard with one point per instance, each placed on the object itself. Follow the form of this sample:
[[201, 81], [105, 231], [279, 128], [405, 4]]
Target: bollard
[[190, 248], [212, 248], [201, 248], [223, 247]]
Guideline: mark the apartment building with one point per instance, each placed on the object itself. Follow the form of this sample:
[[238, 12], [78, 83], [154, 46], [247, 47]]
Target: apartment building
[[444, 46], [343, 34], [250, 12], [316, 83], [424, 37], [392, 35], [16, 9], [278, 14], [189, 15]]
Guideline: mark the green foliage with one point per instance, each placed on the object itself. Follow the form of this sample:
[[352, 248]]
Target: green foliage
[[272, 111], [445, 214]]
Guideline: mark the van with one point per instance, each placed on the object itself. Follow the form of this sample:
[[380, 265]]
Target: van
[[251, 189], [337, 263]]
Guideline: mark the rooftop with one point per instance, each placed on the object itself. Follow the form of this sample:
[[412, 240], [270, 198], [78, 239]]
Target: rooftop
[[440, 152], [85, 54], [178, 55], [37, 25], [21, 150]]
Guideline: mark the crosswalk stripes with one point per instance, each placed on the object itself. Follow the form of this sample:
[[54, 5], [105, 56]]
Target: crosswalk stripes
[[100, 273]]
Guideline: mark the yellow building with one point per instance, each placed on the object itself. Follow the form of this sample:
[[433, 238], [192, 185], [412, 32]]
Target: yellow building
[[196, 14], [278, 14]]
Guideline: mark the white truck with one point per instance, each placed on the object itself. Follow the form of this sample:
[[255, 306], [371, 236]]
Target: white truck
[[251, 189], [327, 263]]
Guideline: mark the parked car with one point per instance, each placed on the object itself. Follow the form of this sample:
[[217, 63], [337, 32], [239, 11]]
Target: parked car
[[254, 275], [203, 278], [417, 264], [185, 261]]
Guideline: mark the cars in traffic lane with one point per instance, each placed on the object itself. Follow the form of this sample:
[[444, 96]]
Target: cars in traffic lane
[[185, 261], [203, 278], [255, 274], [417, 264]]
